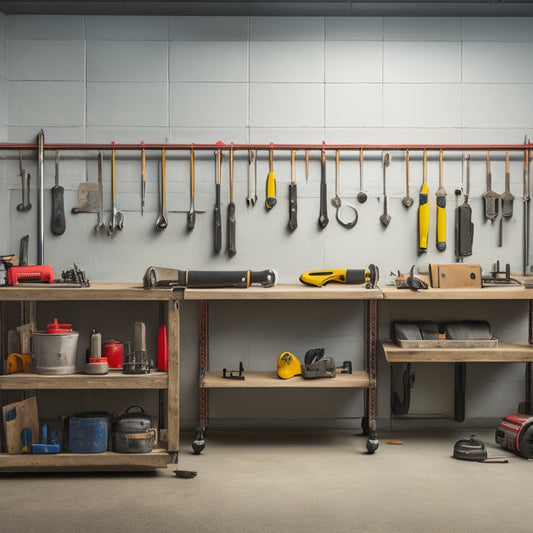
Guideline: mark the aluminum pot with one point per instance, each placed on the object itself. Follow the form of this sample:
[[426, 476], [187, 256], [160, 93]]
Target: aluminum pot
[[133, 432]]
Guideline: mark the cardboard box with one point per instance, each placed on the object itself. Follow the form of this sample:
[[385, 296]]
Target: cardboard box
[[455, 276]]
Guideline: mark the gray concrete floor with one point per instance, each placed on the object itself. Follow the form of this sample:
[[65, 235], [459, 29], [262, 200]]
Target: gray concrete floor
[[311, 481]]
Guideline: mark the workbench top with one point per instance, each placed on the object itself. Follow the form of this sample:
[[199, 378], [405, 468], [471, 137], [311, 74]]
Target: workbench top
[[135, 291]]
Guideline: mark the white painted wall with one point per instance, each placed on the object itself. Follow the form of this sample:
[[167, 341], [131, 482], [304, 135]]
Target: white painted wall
[[280, 80], [4, 216]]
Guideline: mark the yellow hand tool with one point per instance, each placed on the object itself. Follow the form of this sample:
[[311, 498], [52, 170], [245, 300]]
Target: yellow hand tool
[[368, 276], [441, 211], [423, 211], [17, 362], [271, 184]]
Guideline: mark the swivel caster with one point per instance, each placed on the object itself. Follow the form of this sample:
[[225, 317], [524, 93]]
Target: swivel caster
[[198, 444], [372, 445]]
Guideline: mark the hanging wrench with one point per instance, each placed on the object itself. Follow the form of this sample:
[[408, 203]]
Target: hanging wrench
[[117, 218], [25, 205], [252, 177], [100, 222], [162, 221], [336, 201]]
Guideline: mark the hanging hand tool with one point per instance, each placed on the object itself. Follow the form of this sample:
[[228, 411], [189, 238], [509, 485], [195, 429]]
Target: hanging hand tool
[[232, 250], [191, 215], [252, 177], [40, 199], [58, 206], [143, 179], [441, 210], [293, 222], [361, 195], [117, 218], [507, 197], [490, 198], [423, 211], [407, 200], [385, 217], [271, 184], [464, 228], [307, 165], [368, 276], [336, 201], [323, 218], [100, 207], [162, 221], [25, 205], [218, 217], [526, 218], [196, 279]]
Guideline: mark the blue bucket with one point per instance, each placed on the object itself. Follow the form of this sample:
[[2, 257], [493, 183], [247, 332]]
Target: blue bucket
[[88, 432]]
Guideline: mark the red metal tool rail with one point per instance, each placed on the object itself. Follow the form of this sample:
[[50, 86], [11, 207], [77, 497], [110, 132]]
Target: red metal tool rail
[[270, 146]]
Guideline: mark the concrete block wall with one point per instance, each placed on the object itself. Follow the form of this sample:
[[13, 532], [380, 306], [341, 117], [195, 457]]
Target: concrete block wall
[[261, 80]]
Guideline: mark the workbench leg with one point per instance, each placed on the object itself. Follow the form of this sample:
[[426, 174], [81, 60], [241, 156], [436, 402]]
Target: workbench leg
[[199, 440], [173, 410], [371, 337], [459, 392]]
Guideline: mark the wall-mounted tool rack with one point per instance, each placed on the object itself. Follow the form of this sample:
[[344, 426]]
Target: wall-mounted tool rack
[[185, 151]]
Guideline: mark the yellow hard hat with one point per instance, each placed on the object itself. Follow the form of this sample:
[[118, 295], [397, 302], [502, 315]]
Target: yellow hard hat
[[288, 366]]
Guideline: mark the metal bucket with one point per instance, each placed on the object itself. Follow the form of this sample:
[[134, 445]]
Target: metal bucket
[[55, 353]]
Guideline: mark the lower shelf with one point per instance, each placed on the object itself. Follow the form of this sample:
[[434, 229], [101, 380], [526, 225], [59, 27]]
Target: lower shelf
[[256, 380], [506, 352], [78, 462]]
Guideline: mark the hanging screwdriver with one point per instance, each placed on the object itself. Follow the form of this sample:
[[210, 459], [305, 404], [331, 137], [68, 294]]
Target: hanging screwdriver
[[423, 211], [441, 211], [271, 184]]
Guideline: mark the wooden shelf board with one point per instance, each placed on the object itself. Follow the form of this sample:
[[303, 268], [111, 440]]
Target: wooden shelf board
[[107, 461], [97, 291], [506, 352], [111, 380], [286, 292], [214, 380], [511, 292]]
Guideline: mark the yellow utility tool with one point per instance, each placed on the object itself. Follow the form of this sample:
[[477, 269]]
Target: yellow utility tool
[[271, 184], [368, 276], [423, 211], [288, 366], [17, 362], [441, 211]]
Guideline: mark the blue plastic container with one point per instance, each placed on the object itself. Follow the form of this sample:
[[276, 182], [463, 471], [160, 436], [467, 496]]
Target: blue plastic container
[[89, 432]]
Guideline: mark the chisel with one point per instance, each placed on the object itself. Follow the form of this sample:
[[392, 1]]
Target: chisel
[[231, 209], [293, 223], [218, 220], [423, 211], [271, 184], [191, 215], [441, 211], [143, 180], [323, 218], [507, 197], [58, 208]]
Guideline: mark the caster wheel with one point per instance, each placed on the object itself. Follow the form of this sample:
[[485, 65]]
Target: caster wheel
[[372, 445], [198, 444]]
